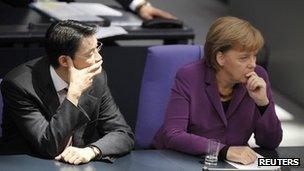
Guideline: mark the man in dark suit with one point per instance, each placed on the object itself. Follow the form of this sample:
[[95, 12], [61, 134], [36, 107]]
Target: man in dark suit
[[60, 106]]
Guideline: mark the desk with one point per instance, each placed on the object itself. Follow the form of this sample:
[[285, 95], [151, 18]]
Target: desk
[[14, 27], [138, 160]]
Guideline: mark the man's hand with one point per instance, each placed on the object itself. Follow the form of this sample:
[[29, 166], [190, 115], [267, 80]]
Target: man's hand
[[80, 80], [74, 155], [241, 154], [256, 88], [148, 12]]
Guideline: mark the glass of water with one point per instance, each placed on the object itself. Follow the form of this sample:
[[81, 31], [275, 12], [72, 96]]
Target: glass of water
[[211, 157]]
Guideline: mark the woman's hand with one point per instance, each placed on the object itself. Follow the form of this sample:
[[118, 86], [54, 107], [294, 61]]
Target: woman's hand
[[241, 154], [256, 87]]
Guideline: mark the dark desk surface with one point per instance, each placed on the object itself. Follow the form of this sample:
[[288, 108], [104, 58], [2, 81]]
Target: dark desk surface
[[144, 160], [15, 27]]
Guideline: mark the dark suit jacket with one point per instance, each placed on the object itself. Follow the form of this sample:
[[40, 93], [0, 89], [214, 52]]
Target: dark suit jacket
[[35, 123], [195, 114], [125, 3]]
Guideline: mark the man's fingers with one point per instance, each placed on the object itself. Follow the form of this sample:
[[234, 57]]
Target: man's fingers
[[163, 14], [65, 151], [77, 161], [95, 66], [146, 16], [58, 157], [73, 159]]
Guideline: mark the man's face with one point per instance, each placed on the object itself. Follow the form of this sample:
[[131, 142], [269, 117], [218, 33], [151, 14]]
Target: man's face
[[239, 63], [87, 54]]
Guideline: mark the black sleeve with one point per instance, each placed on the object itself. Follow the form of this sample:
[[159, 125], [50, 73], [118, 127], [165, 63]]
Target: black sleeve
[[125, 3], [223, 153], [262, 109], [118, 137]]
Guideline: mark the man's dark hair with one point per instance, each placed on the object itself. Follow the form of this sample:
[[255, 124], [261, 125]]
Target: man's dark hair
[[63, 38]]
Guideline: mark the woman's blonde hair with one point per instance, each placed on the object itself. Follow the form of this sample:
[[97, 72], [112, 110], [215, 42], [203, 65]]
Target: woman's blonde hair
[[230, 33]]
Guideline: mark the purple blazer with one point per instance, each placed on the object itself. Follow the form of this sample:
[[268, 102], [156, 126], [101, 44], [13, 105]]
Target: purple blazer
[[195, 114]]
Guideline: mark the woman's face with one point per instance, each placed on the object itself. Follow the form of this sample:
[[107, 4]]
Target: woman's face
[[236, 64]]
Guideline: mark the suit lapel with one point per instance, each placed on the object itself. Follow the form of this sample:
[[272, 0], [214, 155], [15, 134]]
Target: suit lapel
[[238, 95], [43, 85], [213, 94]]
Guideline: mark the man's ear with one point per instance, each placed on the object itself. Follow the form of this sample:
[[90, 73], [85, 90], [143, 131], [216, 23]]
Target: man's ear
[[62, 60], [220, 58]]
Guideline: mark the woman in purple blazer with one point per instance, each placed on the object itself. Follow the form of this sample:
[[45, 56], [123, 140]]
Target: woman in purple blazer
[[224, 96]]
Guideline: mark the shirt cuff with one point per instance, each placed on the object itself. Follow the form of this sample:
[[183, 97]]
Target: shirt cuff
[[223, 152], [135, 3]]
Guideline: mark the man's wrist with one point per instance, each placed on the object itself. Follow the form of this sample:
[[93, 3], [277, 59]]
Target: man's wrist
[[73, 95], [135, 4], [142, 4], [96, 151]]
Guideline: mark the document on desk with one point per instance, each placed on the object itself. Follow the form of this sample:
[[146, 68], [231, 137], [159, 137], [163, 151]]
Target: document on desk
[[254, 166], [75, 10], [103, 32]]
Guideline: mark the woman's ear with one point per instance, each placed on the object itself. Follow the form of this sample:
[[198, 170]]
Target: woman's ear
[[220, 58], [62, 60]]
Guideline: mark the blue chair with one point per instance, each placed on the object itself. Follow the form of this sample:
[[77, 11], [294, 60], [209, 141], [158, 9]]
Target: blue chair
[[160, 69], [1, 106]]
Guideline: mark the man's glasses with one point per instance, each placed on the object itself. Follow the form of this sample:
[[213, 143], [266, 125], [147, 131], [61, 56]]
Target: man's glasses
[[99, 45]]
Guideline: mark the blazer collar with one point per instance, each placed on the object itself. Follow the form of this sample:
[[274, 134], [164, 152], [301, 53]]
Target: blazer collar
[[213, 94], [44, 86], [237, 97]]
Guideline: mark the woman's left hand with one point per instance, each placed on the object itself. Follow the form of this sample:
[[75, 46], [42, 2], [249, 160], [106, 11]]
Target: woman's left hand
[[256, 87]]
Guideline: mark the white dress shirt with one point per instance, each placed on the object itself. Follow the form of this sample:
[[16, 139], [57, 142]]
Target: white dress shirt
[[134, 4], [60, 85]]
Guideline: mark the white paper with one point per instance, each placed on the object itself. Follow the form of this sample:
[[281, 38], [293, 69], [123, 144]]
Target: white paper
[[103, 32], [253, 166], [95, 9], [75, 10]]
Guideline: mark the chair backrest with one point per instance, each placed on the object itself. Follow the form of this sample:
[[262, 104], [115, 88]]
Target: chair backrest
[[160, 69], [1, 106]]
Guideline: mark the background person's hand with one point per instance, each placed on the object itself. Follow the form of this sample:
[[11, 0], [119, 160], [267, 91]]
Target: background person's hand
[[74, 155], [80, 80], [241, 154], [256, 87], [149, 12]]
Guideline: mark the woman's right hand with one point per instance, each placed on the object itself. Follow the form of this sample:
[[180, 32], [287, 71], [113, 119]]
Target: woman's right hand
[[241, 154]]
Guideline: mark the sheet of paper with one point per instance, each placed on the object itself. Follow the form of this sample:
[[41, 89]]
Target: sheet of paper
[[103, 32], [96, 9], [253, 166], [76, 10]]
